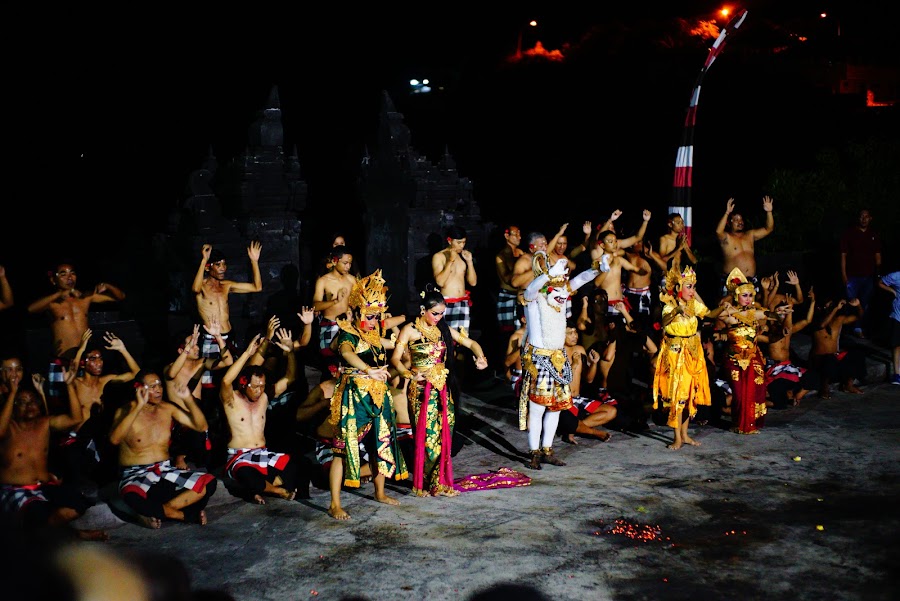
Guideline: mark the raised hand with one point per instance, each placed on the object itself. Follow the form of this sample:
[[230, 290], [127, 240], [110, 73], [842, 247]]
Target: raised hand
[[587, 228], [274, 324], [214, 327], [729, 206], [205, 252], [306, 315], [767, 203], [792, 278], [285, 340], [615, 215], [38, 381], [254, 345], [113, 342], [254, 250], [142, 393]]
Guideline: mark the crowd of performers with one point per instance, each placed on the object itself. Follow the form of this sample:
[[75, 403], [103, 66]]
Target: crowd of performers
[[385, 405]]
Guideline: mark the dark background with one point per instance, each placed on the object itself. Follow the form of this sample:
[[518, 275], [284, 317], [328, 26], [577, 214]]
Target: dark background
[[109, 113]]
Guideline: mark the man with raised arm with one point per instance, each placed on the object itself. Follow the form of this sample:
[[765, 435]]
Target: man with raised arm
[[245, 396], [738, 243]]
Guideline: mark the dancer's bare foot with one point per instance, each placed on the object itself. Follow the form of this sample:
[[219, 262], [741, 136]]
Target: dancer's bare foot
[[338, 513], [284, 494], [570, 438], [798, 396], [383, 498], [603, 436], [259, 499], [674, 446], [148, 522], [852, 389], [100, 535], [691, 441], [445, 491]]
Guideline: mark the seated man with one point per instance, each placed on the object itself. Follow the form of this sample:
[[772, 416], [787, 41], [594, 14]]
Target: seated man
[[587, 413], [835, 365], [787, 383], [250, 463], [27, 487], [150, 485], [313, 416]]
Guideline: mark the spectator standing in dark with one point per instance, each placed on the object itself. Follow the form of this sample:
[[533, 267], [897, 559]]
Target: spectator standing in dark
[[861, 265]]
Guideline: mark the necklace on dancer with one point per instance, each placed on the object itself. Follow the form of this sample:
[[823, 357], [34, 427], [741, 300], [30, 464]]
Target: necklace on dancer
[[431, 332]]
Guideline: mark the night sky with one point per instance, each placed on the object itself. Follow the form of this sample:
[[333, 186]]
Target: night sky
[[110, 113]]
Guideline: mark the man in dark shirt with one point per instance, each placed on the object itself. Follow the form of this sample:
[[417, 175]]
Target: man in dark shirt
[[861, 264]]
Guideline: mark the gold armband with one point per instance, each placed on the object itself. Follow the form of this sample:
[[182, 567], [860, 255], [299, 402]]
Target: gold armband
[[463, 333], [407, 374]]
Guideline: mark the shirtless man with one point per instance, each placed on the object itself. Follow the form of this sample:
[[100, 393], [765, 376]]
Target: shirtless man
[[211, 291], [67, 308], [6, 293], [825, 356], [637, 283], [586, 414], [330, 298], [505, 261], [738, 243], [624, 243], [250, 463], [27, 487], [523, 271], [187, 370], [91, 383], [674, 242], [453, 269], [150, 485], [611, 281], [785, 382], [561, 251], [80, 449]]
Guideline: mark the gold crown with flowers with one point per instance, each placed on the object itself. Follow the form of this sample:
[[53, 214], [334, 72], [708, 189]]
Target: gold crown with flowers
[[675, 280], [737, 283], [369, 295]]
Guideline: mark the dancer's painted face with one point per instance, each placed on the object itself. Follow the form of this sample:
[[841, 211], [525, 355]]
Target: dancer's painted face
[[435, 314]]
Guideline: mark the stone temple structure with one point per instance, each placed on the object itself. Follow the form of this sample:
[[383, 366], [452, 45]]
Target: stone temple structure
[[408, 204]]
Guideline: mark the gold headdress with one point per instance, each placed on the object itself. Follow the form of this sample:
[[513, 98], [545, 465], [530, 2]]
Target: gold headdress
[[677, 280], [369, 295], [737, 283]]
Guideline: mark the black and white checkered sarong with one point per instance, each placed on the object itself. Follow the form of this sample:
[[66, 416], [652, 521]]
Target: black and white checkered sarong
[[139, 478], [506, 310]]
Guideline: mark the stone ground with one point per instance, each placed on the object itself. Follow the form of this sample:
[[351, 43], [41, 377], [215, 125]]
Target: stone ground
[[807, 510]]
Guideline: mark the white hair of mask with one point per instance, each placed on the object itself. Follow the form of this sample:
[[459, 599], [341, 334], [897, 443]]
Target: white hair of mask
[[552, 326]]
